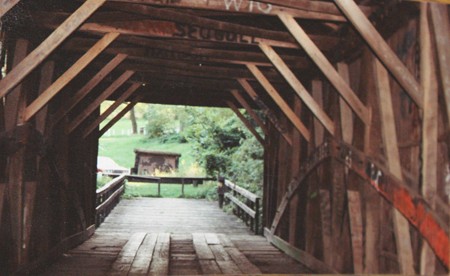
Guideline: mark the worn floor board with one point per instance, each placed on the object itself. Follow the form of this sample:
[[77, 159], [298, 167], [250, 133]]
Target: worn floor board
[[190, 226]]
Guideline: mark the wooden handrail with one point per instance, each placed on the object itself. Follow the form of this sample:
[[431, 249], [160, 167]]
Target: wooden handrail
[[107, 197], [250, 208]]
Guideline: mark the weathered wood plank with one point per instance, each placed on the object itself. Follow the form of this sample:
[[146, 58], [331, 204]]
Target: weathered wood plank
[[209, 267], [161, 256], [269, 113], [300, 255], [382, 49], [13, 78], [441, 28], [71, 73], [80, 94], [201, 247], [325, 66], [356, 228], [126, 256], [11, 109], [280, 101], [6, 5], [246, 122], [325, 217], [298, 87], [318, 97], [96, 103], [250, 111], [28, 209], [44, 82], [2, 199], [403, 238], [430, 128], [244, 265], [247, 7], [119, 115], [212, 238], [111, 109]]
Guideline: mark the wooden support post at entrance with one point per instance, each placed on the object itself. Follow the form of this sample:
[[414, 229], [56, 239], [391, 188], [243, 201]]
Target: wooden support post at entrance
[[16, 103], [13, 78], [430, 128], [87, 88], [382, 49], [441, 28], [111, 109], [71, 73], [120, 114], [250, 111], [325, 66], [401, 225], [297, 86], [269, 113], [95, 104], [6, 5], [45, 81], [246, 122], [280, 101]]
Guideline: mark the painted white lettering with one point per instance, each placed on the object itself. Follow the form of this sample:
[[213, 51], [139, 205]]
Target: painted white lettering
[[237, 4], [265, 8]]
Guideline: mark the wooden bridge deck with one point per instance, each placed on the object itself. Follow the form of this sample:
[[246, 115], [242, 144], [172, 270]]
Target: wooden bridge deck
[[179, 237]]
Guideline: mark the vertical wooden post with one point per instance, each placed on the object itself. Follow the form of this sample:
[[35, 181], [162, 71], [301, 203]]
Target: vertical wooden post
[[441, 28], [429, 131], [15, 105], [182, 187], [401, 225], [159, 187], [257, 214], [295, 170], [353, 196]]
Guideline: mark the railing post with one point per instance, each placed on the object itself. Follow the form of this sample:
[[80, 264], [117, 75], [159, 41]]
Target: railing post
[[159, 187], [257, 216], [182, 187]]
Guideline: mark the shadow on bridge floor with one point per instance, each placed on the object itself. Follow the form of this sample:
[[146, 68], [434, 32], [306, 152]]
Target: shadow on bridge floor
[[175, 237]]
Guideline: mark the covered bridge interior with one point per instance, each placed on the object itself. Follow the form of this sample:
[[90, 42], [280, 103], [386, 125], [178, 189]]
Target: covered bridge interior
[[355, 97]]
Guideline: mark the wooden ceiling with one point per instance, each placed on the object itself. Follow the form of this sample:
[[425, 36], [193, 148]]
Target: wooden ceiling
[[192, 52]]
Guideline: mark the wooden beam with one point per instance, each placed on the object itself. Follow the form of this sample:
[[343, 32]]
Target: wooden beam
[[120, 114], [6, 5], [87, 88], [318, 6], [298, 87], [111, 109], [269, 114], [249, 109], [353, 195], [2, 200], [381, 49], [13, 99], [441, 28], [28, 210], [96, 103], [317, 94], [287, 110], [69, 75], [325, 66], [429, 130], [45, 81], [13, 78], [246, 7], [402, 235], [246, 122]]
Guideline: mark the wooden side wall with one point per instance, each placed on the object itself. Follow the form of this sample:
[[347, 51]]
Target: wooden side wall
[[47, 177], [335, 216]]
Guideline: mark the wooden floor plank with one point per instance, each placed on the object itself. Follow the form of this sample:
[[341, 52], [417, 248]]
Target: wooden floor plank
[[242, 262], [201, 247], [160, 262], [125, 258], [143, 256]]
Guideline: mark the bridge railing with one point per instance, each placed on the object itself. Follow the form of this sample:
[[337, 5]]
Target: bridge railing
[[246, 209], [108, 197]]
